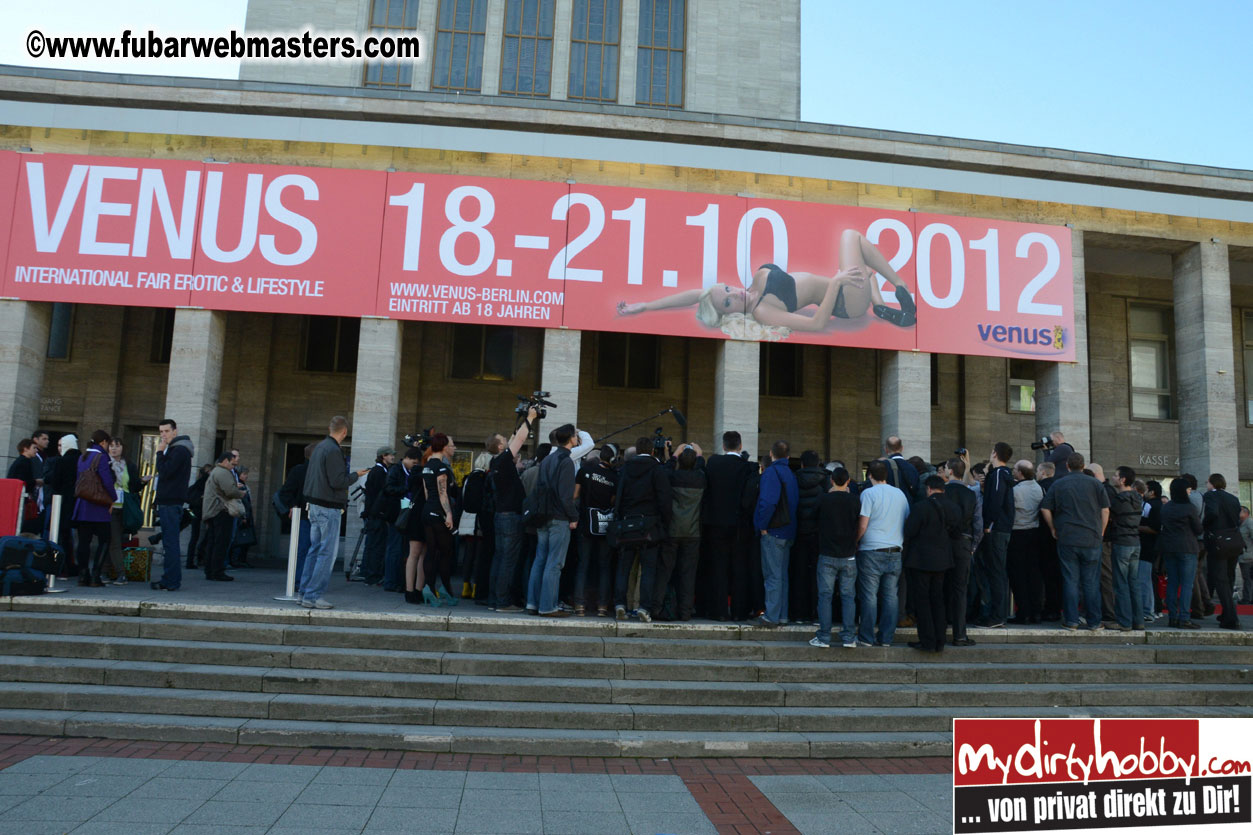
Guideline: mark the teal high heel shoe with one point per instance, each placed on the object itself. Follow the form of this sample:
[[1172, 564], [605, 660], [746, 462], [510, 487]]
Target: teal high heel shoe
[[429, 596], [445, 598]]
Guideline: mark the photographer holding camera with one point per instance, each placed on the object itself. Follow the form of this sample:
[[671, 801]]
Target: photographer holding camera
[[1057, 450]]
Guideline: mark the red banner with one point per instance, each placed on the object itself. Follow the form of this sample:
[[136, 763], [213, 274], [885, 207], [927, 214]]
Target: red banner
[[285, 239]]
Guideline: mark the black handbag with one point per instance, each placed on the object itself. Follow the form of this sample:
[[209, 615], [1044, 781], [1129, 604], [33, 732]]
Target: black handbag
[[782, 516], [631, 530], [1228, 544], [402, 519]]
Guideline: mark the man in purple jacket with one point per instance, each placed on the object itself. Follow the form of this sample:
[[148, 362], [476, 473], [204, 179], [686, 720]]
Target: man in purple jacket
[[91, 519], [778, 484]]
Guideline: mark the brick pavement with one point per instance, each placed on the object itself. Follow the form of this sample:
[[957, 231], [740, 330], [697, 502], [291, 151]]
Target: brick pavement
[[722, 788]]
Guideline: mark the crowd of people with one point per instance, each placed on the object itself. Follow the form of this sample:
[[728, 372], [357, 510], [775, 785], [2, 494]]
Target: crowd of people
[[658, 532], [102, 514]]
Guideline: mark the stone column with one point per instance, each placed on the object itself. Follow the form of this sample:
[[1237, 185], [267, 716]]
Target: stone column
[[1062, 401], [191, 398], [737, 389], [1205, 371], [905, 400], [377, 398], [559, 376], [628, 54], [375, 403], [25, 326], [560, 84], [493, 37]]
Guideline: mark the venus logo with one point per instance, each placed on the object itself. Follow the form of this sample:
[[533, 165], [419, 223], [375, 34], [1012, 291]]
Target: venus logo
[[1050, 338]]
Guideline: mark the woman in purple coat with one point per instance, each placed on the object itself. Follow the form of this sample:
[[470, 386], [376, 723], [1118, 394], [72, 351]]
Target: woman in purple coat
[[92, 520]]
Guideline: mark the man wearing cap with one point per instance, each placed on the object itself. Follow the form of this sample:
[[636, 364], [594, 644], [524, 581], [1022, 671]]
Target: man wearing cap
[[372, 511]]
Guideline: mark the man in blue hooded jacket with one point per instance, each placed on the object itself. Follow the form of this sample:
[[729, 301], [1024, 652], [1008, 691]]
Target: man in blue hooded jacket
[[778, 490]]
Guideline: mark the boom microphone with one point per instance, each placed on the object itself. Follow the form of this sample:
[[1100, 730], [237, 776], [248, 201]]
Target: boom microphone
[[678, 417]]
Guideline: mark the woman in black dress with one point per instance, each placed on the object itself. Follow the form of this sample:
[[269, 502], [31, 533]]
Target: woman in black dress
[[415, 532], [437, 479]]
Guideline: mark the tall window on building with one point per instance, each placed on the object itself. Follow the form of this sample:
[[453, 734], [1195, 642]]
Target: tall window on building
[[162, 336], [782, 369], [659, 62], [481, 352], [1248, 367], [628, 360], [329, 343], [393, 17], [61, 332], [594, 36], [459, 35], [1151, 337], [526, 60], [1021, 385]]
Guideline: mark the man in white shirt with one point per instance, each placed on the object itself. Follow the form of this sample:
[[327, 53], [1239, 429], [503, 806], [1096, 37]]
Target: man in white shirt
[[881, 534]]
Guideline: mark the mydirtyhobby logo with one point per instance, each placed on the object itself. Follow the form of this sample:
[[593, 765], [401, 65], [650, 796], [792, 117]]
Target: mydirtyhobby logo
[[1020, 339], [1089, 775]]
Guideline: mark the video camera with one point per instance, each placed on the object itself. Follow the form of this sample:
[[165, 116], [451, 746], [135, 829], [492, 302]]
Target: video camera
[[1044, 443], [660, 441], [536, 399], [421, 439]]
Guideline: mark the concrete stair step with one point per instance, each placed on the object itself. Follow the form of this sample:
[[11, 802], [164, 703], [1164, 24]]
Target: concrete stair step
[[432, 663], [462, 620], [503, 741]]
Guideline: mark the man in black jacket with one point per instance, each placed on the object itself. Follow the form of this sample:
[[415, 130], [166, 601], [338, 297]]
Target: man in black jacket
[[812, 481], [643, 491], [372, 563], [727, 527], [839, 516], [930, 531], [998, 523], [507, 494], [1222, 516], [957, 578], [174, 455]]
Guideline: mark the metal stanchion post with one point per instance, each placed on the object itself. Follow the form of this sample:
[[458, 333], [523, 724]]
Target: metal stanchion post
[[292, 550], [54, 531]]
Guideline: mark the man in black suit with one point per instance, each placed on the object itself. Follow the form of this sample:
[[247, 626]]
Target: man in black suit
[[1221, 516], [929, 546], [726, 532], [957, 578]]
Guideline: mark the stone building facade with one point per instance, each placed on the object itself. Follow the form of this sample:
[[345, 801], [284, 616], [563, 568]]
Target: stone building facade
[[1162, 259]]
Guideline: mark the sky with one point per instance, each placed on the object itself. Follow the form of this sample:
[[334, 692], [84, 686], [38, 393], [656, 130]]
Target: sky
[[1151, 79]]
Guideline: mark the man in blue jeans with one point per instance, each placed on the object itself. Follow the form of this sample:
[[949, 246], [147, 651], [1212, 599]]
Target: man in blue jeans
[[556, 476], [778, 490], [174, 455], [881, 535], [1126, 512], [839, 513], [1076, 510], [326, 490]]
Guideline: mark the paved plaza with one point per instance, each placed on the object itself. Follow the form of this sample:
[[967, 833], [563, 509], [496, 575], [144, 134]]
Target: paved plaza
[[153, 789]]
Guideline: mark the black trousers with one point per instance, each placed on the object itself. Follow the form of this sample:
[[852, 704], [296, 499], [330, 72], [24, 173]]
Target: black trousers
[[802, 573], [725, 562], [1222, 579], [648, 569], [956, 580], [1050, 573], [1025, 578], [89, 564], [375, 550], [677, 561], [217, 543], [926, 590]]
